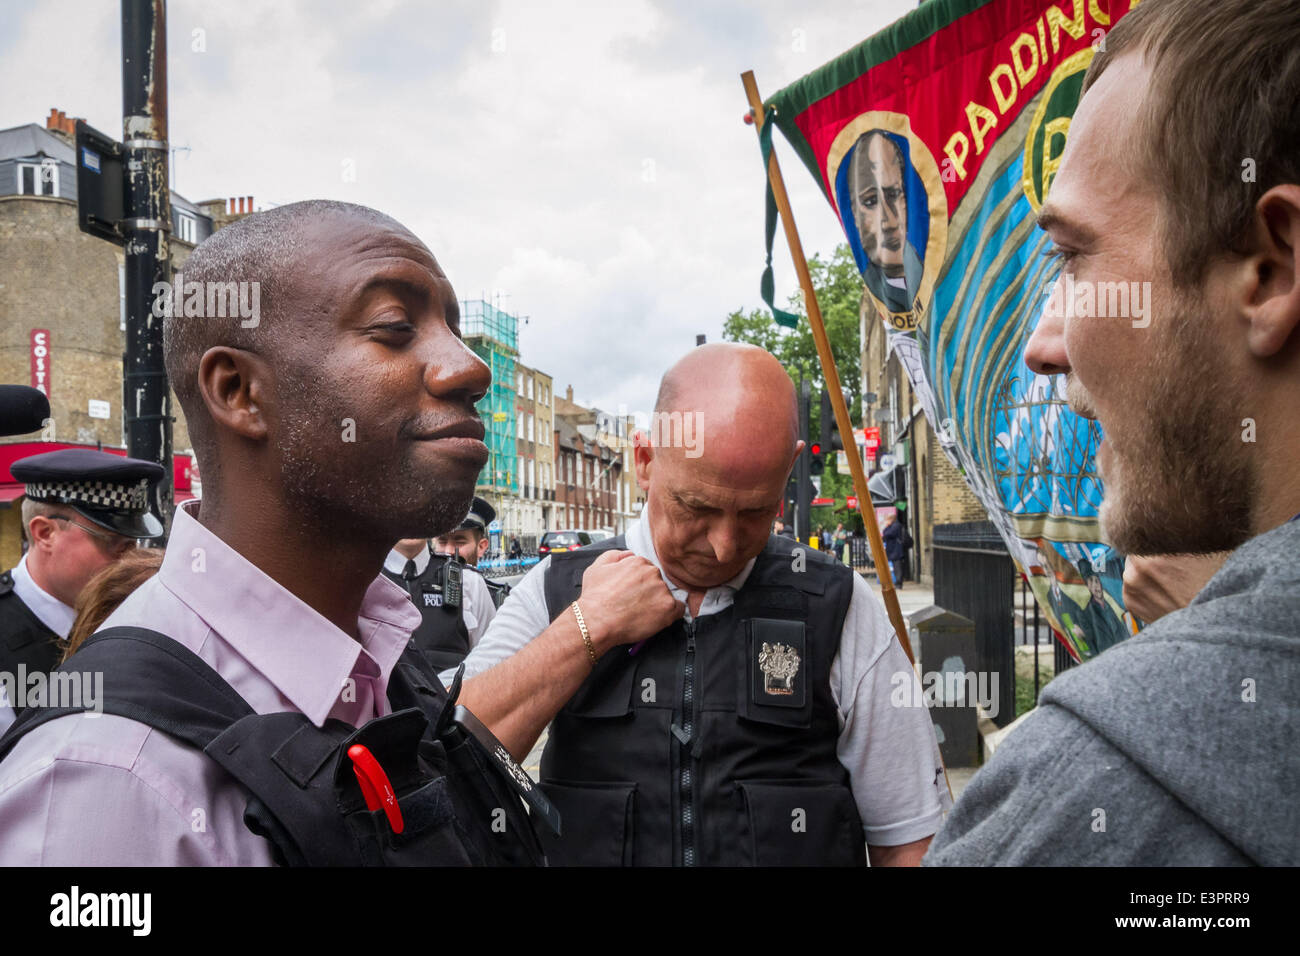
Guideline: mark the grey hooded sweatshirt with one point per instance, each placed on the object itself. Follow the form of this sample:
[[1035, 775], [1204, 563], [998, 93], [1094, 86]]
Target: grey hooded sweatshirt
[[1178, 747]]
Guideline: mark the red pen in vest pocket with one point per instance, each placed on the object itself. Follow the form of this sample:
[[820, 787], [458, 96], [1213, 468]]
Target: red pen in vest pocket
[[374, 785]]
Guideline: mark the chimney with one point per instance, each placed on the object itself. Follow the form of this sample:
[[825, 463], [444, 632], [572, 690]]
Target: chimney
[[232, 205], [60, 122], [568, 393], [250, 204]]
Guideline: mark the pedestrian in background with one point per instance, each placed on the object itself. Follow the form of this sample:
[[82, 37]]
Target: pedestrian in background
[[893, 538]]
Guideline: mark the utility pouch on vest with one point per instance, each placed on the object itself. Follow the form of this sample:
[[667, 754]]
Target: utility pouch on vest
[[456, 805]]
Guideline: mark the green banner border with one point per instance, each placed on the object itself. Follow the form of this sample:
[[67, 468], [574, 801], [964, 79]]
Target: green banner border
[[923, 22]]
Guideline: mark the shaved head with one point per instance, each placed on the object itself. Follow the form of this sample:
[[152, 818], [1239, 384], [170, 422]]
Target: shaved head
[[712, 497], [742, 398]]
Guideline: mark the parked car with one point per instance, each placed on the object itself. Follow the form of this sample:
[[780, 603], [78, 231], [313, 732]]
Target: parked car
[[554, 542], [599, 536]]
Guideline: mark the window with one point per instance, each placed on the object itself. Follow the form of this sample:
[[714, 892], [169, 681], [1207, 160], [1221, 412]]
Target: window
[[38, 179], [186, 227], [520, 420], [530, 427]]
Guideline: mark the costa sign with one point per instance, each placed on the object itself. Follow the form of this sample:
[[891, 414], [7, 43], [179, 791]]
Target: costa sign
[[40, 356]]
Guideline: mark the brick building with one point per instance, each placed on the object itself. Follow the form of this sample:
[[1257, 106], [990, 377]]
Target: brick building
[[63, 306], [587, 476], [613, 433], [530, 513], [934, 489]]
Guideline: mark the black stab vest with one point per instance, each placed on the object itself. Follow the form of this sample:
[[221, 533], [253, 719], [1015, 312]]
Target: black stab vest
[[457, 807], [442, 636], [24, 639], [714, 744]]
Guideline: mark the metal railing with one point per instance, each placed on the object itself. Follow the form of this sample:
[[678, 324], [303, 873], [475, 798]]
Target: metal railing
[[974, 576]]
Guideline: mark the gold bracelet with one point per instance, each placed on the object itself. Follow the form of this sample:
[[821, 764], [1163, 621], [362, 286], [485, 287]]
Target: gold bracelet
[[586, 635]]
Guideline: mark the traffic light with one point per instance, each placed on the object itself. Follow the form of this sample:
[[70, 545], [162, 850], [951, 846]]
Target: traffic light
[[831, 441], [815, 464]]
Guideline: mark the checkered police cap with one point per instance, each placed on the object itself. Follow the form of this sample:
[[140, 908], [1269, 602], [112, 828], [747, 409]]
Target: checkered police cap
[[110, 490], [110, 495]]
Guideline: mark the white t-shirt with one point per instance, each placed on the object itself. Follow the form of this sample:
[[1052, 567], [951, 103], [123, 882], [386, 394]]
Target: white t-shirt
[[889, 751]]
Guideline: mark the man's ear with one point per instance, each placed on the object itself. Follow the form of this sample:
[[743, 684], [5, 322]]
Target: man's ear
[[41, 531], [233, 383], [1270, 297], [643, 458], [799, 446]]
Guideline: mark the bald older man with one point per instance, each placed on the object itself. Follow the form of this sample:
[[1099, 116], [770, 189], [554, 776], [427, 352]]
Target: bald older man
[[758, 729]]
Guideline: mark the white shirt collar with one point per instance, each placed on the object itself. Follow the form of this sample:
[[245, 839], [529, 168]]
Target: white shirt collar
[[717, 598], [49, 610], [396, 561]]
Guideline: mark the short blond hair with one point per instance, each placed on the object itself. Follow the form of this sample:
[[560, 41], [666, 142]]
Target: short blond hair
[[1221, 123]]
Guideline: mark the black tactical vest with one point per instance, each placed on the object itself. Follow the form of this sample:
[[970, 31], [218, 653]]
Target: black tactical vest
[[442, 636], [714, 743], [24, 639], [459, 800]]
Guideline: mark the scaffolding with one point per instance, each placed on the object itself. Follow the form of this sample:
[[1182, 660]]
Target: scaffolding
[[493, 335]]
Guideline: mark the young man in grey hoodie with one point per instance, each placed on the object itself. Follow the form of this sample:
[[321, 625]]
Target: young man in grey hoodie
[[1182, 170]]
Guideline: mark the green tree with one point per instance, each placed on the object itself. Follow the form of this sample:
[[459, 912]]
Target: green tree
[[839, 293]]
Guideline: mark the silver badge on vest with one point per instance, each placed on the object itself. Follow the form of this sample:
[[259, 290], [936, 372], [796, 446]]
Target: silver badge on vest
[[778, 662]]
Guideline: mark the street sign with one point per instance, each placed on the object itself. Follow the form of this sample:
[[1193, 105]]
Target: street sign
[[98, 409], [100, 205], [820, 502], [887, 462], [852, 502]]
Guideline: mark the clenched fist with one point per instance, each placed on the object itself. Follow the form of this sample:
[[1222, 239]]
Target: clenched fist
[[624, 600]]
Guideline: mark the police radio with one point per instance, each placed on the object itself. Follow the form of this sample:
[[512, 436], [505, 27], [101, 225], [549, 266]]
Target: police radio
[[451, 583]]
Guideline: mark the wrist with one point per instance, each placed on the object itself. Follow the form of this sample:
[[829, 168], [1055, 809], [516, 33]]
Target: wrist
[[584, 631]]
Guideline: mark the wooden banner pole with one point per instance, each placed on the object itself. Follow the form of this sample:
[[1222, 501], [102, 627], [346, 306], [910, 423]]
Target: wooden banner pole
[[842, 420]]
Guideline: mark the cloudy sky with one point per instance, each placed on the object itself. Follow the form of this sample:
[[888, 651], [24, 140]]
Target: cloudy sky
[[583, 161]]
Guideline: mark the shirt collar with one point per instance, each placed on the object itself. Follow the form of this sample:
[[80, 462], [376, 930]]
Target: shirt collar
[[641, 543], [396, 561], [301, 653], [49, 610]]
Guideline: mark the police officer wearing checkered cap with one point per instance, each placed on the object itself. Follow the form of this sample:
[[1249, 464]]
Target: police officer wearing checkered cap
[[82, 509]]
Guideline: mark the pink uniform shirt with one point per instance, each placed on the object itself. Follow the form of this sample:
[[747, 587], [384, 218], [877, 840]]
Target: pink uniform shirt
[[104, 790]]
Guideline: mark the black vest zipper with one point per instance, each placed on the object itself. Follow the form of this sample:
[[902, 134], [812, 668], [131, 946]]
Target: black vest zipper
[[686, 761]]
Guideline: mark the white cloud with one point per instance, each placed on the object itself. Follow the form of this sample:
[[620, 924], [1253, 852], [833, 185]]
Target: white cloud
[[587, 157]]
